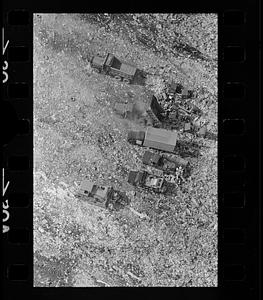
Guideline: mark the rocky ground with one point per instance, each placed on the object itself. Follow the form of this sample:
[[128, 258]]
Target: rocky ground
[[160, 241]]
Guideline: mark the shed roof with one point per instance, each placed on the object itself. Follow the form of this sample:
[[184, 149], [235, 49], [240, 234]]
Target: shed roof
[[150, 157], [136, 135], [161, 139], [135, 177], [86, 185], [152, 103]]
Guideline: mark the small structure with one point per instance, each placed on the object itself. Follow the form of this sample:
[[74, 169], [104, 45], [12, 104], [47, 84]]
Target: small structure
[[147, 180], [163, 140], [156, 138], [154, 110], [102, 196], [160, 139], [112, 66]]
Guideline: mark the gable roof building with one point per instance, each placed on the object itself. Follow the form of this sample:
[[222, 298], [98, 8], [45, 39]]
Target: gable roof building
[[161, 139]]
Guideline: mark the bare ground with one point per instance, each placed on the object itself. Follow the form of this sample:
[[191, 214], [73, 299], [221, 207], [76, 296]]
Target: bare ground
[[77, 135]]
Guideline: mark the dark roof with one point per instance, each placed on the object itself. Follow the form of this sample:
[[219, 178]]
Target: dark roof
[[135, 177], [136, 135], [132, 176], [176, 87], [149, 156], [157, 105], [178, 160], [161, 139], [146, 157]]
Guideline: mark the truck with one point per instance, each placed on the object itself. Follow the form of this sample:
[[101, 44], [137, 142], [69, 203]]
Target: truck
[[102, 196], [168, 164], [150, 181], [114, 67], [162, 140]]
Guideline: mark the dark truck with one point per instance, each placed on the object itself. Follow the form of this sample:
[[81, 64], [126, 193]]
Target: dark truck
[[147, 180], [102, 196], [114, 67], [162, 140], [168, 164]]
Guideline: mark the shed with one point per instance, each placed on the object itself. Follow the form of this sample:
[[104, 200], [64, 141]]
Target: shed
[[150, 157], [160, 139], [135, 177], [136, 135], [86, 186]]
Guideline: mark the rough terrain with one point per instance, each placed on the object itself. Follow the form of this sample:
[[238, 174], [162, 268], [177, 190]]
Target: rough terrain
[[165, 241]]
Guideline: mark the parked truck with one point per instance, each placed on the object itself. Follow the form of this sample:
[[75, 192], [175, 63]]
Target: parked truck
[[147, 180], [113, 66], [102, 196], [171, 164], [163, 140]]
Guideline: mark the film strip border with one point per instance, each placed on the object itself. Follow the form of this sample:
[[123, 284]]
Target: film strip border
[[238, 210], [17, 176]]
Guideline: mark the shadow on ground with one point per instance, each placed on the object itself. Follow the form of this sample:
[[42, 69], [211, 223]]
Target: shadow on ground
[[140, 78]]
